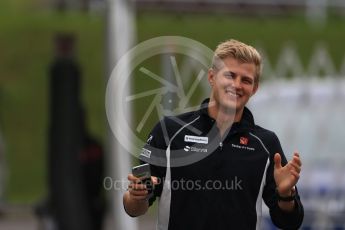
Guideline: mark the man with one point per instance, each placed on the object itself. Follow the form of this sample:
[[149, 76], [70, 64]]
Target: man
[[229, 163]]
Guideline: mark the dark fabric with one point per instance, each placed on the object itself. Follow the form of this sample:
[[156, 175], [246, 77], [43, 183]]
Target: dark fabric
[[220, 188]]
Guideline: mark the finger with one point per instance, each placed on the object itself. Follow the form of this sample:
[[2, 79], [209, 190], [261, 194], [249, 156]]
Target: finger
[[138, 192], [133, 179], [137, 186], [138, 196], [277, 161], [295, 174], [154, 180], [297, 160], [295, 166], [296, 153]]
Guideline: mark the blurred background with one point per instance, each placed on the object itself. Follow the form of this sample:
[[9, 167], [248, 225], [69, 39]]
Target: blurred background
[[56, 56]]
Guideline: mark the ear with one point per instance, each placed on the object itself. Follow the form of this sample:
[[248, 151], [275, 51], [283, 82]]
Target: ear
[[211, 76]]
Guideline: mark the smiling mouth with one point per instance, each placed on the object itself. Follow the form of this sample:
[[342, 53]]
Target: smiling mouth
[[233, 94]]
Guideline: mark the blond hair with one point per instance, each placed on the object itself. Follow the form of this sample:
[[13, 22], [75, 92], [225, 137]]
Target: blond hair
[[239, 51]]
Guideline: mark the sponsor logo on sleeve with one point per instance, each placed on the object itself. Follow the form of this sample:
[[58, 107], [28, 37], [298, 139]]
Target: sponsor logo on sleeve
[[145, 153]]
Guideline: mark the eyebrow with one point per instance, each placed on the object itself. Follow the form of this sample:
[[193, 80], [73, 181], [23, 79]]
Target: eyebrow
[[229, 72]]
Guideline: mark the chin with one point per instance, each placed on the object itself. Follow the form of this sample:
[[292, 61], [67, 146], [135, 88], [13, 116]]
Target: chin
[[231, 106]]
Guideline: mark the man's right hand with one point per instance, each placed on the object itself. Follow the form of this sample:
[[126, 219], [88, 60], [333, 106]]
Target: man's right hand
[[137, 190], [135, 199]]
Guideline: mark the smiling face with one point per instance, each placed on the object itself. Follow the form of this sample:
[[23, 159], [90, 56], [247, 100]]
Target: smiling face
[[232, 85]]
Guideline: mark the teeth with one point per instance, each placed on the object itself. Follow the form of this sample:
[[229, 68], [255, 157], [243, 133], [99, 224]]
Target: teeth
[[233, 94]]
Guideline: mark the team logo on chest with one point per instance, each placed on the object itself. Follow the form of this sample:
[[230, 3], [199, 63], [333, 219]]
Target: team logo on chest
[[244, 140]]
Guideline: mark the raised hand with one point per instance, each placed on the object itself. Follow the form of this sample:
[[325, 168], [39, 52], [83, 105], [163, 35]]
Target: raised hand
[[286, 177]]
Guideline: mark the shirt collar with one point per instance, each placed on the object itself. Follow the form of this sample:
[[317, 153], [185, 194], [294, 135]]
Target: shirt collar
[[247, 119]]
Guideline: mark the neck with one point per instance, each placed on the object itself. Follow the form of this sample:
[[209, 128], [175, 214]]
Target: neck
[[224, 117]]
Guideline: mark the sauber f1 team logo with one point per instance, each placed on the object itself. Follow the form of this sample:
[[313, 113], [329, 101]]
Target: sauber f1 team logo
[[244, 140]]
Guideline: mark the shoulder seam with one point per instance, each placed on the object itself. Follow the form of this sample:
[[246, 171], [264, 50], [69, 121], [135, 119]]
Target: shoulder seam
[[263, 145]]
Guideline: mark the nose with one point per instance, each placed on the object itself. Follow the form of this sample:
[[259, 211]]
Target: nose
[[236, 82]]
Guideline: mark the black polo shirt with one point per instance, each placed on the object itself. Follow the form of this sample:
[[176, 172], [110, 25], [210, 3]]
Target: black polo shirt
[[213, 182]]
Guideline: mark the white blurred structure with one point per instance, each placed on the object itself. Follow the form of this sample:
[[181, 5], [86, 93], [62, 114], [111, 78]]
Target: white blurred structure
[[120, 37], [308, 115]]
